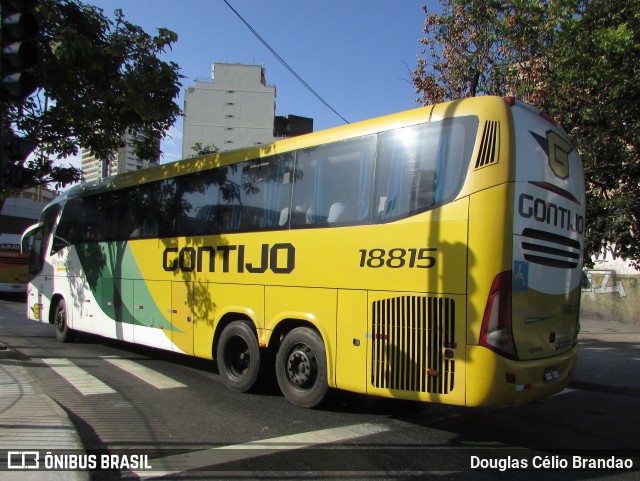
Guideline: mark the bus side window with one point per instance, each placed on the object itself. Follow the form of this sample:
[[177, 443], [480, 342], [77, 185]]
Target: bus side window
[[68, 229], [421, 166], [333, 184], [266, 192], [197, 204], [423, 192]]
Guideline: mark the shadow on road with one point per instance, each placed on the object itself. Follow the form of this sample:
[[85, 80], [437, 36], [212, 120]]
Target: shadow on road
[[17, 297]]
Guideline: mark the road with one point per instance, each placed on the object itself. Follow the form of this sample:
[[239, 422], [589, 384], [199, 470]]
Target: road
[[174, 409]]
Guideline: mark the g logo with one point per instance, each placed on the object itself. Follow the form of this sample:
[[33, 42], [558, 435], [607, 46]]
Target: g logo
[[36, 310], [558, 152]]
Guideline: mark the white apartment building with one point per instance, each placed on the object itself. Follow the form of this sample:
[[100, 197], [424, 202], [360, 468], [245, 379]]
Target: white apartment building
[[233, 110], [125, 160]]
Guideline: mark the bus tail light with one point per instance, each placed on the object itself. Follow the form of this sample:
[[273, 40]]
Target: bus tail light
[[496, 333]]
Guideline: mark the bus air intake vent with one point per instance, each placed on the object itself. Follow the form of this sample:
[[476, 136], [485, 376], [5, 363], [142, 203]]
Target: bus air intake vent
[[413, 338], [489, 145], [551, 250]]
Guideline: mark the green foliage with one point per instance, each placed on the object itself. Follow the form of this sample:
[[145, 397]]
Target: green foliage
[[99, 78], [594, 91], [485, 47], [579, 61], [199, 149]]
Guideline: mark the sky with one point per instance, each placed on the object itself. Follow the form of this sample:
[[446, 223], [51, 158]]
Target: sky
[[356, 54]]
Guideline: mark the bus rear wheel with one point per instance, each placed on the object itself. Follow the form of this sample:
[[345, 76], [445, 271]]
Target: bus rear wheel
[[63, 332], [238, 357], [301, 368]]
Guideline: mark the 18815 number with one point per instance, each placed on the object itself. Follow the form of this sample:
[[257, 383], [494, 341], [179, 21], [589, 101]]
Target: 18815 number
[[397, 258]]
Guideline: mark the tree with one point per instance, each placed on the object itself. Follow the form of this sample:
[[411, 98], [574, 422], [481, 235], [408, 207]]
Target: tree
[[575, 59], [98, 78], [199, 149], [485, 47], [593, 90]]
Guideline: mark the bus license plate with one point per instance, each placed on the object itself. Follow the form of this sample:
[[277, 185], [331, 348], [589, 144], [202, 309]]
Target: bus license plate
[[551, 374]]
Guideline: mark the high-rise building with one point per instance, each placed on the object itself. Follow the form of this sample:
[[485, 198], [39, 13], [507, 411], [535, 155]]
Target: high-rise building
[[125, 160], [233, 110], [286, 126]]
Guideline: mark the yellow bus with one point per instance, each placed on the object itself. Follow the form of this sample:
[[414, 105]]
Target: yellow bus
[[431, 255]]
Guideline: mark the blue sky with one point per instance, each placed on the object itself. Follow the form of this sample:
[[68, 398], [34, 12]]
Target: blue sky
[[356, 54]]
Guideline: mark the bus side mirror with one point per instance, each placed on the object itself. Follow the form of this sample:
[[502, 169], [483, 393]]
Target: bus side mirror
[[25, 246], [25, 241]]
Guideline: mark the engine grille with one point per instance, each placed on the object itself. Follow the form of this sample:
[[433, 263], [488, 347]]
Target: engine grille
[[413, 342]]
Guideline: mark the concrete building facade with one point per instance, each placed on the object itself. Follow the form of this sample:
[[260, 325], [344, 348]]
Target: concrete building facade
[[235, 109]]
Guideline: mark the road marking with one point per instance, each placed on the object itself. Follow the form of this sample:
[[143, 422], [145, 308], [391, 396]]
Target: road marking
[[566, 390], [77, 377], [156, 379], [236, 452]]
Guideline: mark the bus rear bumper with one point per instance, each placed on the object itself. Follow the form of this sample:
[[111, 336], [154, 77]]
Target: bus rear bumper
[[492, 379]]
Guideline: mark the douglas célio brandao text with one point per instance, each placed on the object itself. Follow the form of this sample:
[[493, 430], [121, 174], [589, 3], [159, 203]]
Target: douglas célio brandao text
[[552, 462]]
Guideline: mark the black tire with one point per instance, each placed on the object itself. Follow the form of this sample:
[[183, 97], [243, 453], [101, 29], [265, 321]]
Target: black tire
[[301, 368], [63, 332], [238, 357]]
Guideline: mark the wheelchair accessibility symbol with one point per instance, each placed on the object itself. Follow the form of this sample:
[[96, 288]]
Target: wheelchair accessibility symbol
[[520, 275]]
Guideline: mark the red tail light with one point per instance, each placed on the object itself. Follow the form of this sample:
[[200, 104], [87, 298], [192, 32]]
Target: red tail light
[[496, 333]]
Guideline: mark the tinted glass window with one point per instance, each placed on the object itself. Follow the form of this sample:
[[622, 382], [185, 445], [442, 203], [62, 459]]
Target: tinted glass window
[[139, 212], [145, 211], [249, 196], [333, 184], [416, 168], [197, 208], [265, 192], [422, 166], [81, 221], [165, 205]]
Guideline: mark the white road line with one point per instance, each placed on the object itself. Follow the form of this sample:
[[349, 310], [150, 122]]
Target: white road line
[[156, 379], [566, 390], [236, 452], [78, 377]]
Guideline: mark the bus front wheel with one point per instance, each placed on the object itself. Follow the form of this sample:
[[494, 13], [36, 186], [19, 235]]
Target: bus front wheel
[[63, 332], [301, 368], [238, 357]]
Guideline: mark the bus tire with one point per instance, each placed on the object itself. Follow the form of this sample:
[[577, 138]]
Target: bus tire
[[63, 332], [238, 357], [301, 368]]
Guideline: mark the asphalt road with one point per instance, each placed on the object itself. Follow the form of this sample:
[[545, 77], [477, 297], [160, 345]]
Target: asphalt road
[[175, 409]]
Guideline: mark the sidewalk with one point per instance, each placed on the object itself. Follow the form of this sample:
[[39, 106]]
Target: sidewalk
[[591, 327], [30, 420]]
